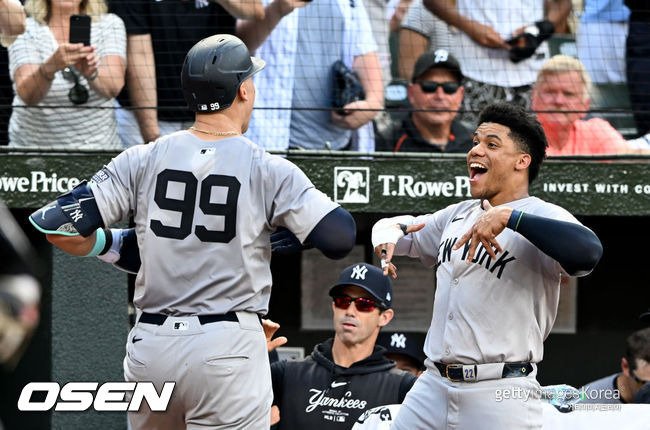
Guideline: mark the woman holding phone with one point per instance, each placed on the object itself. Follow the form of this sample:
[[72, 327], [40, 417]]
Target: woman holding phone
[[67, 68]]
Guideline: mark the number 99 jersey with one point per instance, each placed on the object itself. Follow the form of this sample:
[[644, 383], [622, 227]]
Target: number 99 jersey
[[204, 212]]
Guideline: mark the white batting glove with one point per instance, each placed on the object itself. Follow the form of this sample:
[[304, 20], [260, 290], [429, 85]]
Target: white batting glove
[[386, 230]]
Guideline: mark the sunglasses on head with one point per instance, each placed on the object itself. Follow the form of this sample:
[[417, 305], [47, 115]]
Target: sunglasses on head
[[432, 86], [361, 303], [78, 94]]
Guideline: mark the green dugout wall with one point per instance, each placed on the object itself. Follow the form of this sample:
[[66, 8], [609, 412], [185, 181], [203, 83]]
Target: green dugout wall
[[84, 313]]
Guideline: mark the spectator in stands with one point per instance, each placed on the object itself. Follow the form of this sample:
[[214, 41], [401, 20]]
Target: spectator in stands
[[300, 42], [12, 23], [421, 31], [561, 100], [601, 39], [500, 46], [637, 58], [159, 35], [635, 371], [65, 91], [379, 23], [435, 92], [404, 350]]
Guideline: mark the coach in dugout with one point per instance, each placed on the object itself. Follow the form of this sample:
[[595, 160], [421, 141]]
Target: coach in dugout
[[348, 374]]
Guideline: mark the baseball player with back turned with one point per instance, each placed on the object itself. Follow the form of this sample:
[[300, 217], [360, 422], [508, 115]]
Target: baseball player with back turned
[[498, 262], [205, 202]]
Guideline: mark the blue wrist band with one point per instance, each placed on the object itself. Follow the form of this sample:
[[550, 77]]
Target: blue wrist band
[[515, 218]]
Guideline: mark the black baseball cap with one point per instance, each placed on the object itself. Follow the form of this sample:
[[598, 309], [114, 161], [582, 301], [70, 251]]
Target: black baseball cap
[[399, 342], [368, 277], [438, 58]]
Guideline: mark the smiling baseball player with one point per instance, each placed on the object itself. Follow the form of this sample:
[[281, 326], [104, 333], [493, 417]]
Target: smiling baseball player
[[498, 263], [205, 202]]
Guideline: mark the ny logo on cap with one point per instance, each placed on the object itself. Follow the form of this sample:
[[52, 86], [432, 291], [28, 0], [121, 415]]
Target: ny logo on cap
[[398, 340], [441, 55], [359, 272]]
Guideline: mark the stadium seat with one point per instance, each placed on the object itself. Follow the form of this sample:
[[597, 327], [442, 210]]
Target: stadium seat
[[612, 102]]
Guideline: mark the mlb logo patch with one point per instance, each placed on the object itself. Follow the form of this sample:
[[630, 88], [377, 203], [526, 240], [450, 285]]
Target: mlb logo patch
[[181, 325]]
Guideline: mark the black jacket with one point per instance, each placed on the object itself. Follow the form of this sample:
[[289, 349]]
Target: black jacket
[[403, 136], [315, 393]]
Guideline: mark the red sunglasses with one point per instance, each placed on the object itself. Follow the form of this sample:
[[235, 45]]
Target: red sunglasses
[[361, 303]]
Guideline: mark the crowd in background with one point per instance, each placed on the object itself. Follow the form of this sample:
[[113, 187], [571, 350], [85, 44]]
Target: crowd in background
[[581, 65]]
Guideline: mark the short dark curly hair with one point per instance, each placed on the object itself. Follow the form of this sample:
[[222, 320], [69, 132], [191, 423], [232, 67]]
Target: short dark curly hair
[[525, 131], [638, 346]]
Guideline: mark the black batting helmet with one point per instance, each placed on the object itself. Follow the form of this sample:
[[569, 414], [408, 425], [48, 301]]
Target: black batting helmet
[[214, 69]]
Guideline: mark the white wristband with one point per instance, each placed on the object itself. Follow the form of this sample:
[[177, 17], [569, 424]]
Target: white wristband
[[386, 230], [113, 254]]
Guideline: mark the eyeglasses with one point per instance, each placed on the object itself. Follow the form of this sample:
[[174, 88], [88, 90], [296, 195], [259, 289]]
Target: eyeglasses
[[432, 86], [78, 94], [361, 303]]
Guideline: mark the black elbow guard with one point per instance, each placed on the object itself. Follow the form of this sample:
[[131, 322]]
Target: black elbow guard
[[71, 214]]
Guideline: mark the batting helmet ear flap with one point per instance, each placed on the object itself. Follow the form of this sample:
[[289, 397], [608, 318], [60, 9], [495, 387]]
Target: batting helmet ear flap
[[213, 71]]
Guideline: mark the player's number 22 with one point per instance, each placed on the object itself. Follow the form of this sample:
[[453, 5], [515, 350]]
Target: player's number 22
[[187, 205]]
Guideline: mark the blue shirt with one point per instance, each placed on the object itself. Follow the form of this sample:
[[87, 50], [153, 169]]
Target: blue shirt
[[605, 11]]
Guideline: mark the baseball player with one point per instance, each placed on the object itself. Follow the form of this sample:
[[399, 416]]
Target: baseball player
[[204, 201], [498, 262]]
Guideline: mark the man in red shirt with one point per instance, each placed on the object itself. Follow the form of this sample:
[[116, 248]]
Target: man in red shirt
[[561, 100]]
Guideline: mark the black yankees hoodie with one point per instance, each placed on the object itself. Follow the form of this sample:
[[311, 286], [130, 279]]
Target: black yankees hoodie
[[316, 393]]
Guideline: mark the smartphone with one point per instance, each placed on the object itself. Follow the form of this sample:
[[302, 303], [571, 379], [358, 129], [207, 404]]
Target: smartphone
[[80, 29]]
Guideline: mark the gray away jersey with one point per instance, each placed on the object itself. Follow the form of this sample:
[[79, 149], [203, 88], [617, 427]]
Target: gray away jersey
[[204, 211], [488, 311]]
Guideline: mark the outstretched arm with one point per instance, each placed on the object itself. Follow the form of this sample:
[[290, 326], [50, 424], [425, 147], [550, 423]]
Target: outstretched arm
[[574, 246], [335, 234]]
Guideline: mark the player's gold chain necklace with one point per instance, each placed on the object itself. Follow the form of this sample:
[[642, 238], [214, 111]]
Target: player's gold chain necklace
[[215, 133]]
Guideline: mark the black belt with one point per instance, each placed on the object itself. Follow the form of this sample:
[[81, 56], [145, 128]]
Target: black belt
[[159, 319], [454, 372]]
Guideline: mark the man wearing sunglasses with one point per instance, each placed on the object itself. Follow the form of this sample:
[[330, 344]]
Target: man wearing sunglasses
[[348, 374], [635, 372], [435, 93]]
